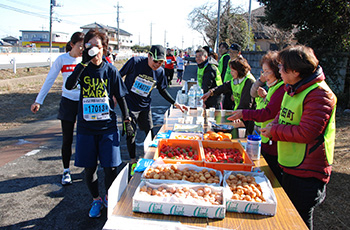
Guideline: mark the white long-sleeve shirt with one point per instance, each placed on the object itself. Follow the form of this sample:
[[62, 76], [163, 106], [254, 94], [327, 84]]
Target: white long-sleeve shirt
[[66, 64]]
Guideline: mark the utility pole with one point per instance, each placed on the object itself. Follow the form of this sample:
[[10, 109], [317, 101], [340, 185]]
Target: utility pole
[[165, 38], [218, 29], [52, 4], [118, 30], [182, 42], [249, 21], [150, 41]]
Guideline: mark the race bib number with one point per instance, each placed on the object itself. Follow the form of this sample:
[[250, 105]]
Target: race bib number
[[142, 86], [96, 109]]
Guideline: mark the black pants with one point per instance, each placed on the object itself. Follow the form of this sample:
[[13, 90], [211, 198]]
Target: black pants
[[144, 121], [169, 73], [305, 194], [91, 179], [67, 140]]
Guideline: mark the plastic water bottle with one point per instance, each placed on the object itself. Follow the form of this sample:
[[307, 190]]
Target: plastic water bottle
[[254, 146], [192, 97], [93, 51], [199, 94]]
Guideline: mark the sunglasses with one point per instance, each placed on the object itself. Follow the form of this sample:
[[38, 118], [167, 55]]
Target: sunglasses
[[158, 61]]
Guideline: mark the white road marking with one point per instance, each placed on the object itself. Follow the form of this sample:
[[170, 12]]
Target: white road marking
[[33, 152]]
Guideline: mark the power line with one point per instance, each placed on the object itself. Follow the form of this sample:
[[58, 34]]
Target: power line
[[29, 5], [82, 15], [23, 11]]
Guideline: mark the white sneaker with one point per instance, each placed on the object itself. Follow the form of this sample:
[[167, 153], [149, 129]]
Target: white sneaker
[[66, 178]]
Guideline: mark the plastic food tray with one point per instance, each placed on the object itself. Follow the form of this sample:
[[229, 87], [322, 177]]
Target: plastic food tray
[[245, 166], [196, 145]]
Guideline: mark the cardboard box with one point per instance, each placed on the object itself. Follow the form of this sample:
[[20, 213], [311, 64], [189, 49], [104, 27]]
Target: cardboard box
[[268, 208], [196, 146], [245, 166], [159, 166], [175, 206]]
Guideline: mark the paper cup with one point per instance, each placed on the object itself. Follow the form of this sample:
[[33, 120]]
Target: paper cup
[[199, 111], [188, 120], [181, 120], [200, 120], [211, 112], [241, 132], [223, 112]]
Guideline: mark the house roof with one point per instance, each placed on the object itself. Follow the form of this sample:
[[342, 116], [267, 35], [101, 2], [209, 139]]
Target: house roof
[[106, 28], [10, 38], [2, 43], [259, 12], [42, 31]]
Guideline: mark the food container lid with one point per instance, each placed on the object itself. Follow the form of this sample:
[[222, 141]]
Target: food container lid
[[254, 138]]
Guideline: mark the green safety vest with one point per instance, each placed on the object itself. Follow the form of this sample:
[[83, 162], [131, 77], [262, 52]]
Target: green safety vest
[[270, 92], [292, 154], [237, 89], [221, 62], [200, 73], [259, 105], [228, 75]]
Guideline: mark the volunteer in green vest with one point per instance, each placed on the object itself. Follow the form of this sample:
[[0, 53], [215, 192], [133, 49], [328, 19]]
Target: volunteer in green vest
[[304, 130], [234, 52], [224, 59], [238, 87], [208, 76], [270, 106]]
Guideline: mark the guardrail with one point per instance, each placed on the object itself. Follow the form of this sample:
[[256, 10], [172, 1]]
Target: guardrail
[[20, 60]]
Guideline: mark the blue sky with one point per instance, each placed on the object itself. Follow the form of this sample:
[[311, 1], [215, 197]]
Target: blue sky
[[168, 18]]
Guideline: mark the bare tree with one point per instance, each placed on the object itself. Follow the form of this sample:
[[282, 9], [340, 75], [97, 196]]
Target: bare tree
[[280, 37], [233, 26]]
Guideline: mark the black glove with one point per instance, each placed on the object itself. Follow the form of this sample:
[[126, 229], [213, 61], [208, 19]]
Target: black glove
[[86, 58], [128, 129]]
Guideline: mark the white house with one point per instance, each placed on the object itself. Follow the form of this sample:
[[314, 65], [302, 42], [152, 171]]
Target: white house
[[125, 38]]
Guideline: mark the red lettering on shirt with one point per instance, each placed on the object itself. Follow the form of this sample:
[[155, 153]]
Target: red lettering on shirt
[[68, 68]]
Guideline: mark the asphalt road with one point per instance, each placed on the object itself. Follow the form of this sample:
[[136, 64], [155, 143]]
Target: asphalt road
[[30, 172]]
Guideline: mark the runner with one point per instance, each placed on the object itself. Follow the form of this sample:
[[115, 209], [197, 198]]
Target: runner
[[142, 75], [97, 131], [169, 65], [67, 113], [180, 66]]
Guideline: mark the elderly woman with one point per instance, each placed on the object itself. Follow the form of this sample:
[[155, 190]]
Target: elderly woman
[[304, 130], [270, 106], [239, 87]]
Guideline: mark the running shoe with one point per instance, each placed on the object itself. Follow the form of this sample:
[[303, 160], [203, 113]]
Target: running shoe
[[133, 169], [66, 178], [96, 207]]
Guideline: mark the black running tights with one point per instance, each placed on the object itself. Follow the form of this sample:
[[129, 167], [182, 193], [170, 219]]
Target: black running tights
[[91, 179], [67, 134]]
